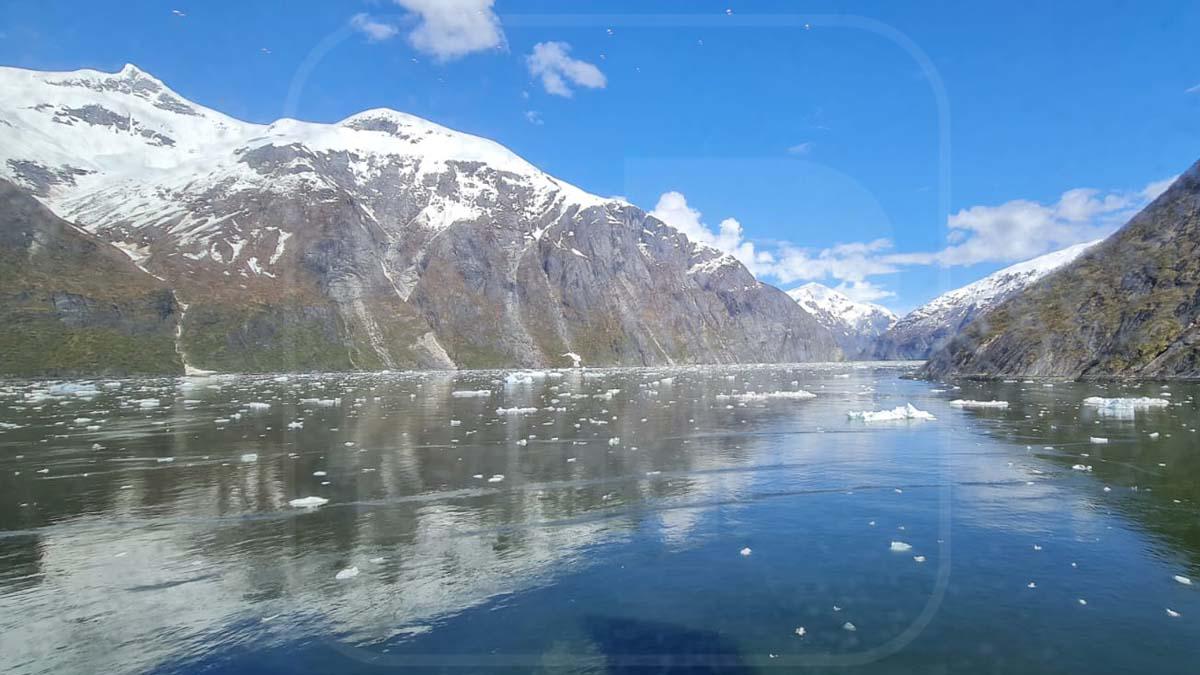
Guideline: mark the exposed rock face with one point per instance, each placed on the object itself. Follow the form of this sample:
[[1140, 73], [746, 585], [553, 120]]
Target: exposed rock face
[[855, 325], [933, 325], [383, 241], [71, 304], [1127, 308]]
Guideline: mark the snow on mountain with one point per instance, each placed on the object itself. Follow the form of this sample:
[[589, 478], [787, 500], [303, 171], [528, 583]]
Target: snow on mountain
[[855, 325], [381, 240], [932, 325]]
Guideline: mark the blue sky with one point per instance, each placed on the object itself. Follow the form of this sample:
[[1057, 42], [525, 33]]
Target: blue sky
[[810, 153]]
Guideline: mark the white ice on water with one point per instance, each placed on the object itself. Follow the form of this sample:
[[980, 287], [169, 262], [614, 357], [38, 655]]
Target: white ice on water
[[905, 412], [308, 502], [960, 403]]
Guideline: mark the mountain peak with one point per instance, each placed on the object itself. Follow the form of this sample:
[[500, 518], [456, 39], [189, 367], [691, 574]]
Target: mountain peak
[[855, 325]]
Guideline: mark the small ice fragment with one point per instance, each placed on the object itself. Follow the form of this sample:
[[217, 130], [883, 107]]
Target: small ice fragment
[[256, 405], [960, 403], [348, 573], [1082, 601], [849, 626], [800, 630], [308, 502], [249, 457], [919, 558], [478, 393], [496, 478], [1172, 613], [319, 473], [1098, 440], [1031, 585], [906, 412], [1037, 547], [900, 546], [1154, 436], [746, 551], [1081, 467], [147, 403], [1183, 580]]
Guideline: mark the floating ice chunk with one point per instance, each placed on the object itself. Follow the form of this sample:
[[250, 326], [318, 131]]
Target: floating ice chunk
[[905, 412], [1031, 584], [1081, 467], [800, 632], [308, 502], [752, 396], [1172, 613], [496, 478], [615, 440], [1154, 436], [319, 474], [1037, 547], [250, 457], [1097, 440], [849, 626], [960, 403], [1183, 580], [746, 551], [258, 405], [524, 377], [515, 411], [348, 573], [1082, 601], [900, 546], [165, 460], [919, 558], [147, 403], [1124, 407], [295, 425], [475, 393]]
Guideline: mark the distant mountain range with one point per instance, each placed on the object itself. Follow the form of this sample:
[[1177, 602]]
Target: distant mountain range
[[381, 241], [1128, 307], [931, 326], [855, 325]]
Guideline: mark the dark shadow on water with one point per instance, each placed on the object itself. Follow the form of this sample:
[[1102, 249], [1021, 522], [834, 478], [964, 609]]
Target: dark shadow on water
[[632, 646]]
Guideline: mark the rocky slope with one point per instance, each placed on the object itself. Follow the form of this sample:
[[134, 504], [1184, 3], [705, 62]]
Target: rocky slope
[[1129, 307], [71, 304], [855, 325], [381, 241], [931, 326]]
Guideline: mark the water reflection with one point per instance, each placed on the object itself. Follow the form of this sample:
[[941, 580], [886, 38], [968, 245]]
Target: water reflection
[[577, 518]]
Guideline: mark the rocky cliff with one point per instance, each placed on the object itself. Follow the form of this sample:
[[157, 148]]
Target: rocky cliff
[[71, 304], [1126, 308], [381, 241]]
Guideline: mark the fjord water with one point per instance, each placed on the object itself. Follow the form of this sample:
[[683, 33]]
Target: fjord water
[[604, 521]]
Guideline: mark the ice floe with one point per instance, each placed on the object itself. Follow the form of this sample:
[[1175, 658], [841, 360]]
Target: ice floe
[[905, 412], [961, 403], [308, 502]]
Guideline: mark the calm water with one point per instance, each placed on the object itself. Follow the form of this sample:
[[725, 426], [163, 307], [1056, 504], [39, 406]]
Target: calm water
[[603, 531]]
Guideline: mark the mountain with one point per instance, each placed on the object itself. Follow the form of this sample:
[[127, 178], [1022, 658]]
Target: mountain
[[855, 325], [931, 326], [380, 241], [71, 304], [1129, 307]]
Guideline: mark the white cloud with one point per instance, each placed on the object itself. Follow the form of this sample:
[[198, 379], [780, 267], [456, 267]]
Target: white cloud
[[534, 117], [451, 29], [375, 30], [801, 148], [1022, 229], [1192, 90], [551, 61], [673, 209]]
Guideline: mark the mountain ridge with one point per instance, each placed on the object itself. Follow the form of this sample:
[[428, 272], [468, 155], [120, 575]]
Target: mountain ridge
[[855, 325], [379, 241], [1128, 308]]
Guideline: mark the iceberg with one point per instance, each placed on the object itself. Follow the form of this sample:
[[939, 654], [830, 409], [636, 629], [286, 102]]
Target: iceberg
[[904, 412]]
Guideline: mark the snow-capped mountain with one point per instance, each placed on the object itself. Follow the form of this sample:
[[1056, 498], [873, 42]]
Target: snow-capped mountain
[[930, 326], [379, 241], [855, 325]]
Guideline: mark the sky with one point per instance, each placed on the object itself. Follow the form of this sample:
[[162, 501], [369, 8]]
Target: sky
[[891, 150]]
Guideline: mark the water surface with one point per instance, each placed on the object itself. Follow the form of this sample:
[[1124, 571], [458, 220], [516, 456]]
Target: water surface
[[595, 521]]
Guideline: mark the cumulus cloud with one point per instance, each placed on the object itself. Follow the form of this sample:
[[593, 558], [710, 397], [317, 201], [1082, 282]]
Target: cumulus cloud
[[534, 117], [451, 29], [552, 63], [1022, 229], [728, 237], [375, 30]]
